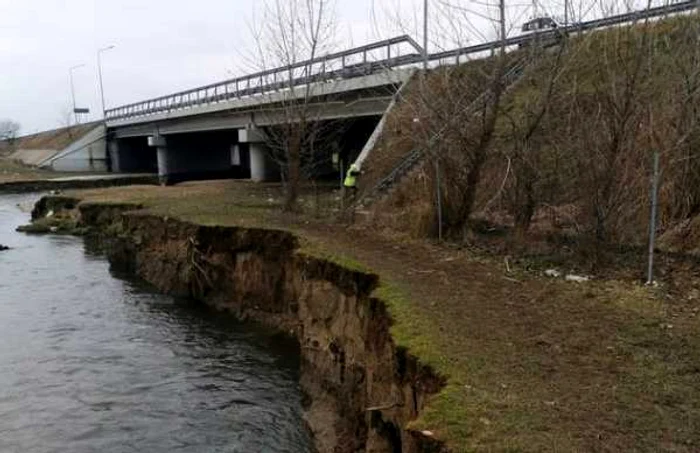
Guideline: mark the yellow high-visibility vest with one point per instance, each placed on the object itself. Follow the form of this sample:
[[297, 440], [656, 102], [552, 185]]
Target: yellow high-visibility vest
[[351, 178]]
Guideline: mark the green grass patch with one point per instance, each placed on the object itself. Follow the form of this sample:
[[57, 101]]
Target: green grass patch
[[315, 250], [53, 225]]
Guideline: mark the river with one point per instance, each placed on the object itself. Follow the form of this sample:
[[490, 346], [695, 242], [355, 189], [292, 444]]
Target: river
[[95, 362]]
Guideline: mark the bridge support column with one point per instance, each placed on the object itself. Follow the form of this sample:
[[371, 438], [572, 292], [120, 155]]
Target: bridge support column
[[258, 162], [164, 160], [114, 156], [261, 166]]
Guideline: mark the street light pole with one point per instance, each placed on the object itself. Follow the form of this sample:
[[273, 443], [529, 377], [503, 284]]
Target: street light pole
[[72, 89], [425, 35], [502, 21], [99, 72]]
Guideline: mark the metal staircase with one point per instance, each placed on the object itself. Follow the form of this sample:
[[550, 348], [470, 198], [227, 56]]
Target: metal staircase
[[415, 156]]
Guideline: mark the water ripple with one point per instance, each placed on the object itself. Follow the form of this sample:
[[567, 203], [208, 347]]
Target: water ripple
[[92, 363]]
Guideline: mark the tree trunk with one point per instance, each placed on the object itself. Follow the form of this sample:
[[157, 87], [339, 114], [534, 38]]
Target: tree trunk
[[525, 204], [293, 179]]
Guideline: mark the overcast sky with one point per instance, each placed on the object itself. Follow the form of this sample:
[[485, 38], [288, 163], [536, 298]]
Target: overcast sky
[[161, 46]]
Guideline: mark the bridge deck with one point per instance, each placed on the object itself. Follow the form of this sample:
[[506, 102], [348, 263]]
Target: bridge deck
[[373, 95]]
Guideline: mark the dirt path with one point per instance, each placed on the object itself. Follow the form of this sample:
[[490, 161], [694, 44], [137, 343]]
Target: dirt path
[[543, 365]]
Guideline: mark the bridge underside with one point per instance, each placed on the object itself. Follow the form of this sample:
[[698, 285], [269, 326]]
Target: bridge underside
[[247, 141], [241, 153]]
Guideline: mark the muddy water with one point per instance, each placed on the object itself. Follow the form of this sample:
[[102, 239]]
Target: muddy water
[[93, 362]]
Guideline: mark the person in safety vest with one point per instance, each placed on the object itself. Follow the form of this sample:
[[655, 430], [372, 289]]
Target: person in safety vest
[[350, 182]]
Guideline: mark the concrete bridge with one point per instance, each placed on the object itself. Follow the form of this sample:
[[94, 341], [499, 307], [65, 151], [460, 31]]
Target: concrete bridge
[[218, 130]]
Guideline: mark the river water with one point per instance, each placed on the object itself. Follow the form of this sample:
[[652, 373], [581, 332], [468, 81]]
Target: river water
[[94, 362]]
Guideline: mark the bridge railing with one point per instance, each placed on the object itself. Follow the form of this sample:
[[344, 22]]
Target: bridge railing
[[359, 61], [579, 27]]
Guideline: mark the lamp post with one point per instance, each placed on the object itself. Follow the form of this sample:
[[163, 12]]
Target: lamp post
[[99, 72], [72, 89], [425, 35]]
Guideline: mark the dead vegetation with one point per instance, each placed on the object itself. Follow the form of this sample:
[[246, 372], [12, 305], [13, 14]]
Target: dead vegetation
[[15, 171], [570, 155]]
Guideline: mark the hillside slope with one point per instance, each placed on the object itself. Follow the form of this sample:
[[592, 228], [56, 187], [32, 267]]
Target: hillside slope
[[571, 151]]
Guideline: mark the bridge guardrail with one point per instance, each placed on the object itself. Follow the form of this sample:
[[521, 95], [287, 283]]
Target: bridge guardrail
[[359, 61], [579, 27], [356, 62]]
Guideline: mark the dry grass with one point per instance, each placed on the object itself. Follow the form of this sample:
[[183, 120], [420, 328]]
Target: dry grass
[[534, 364], [571, 159], [11, 171], [221, 202], [53, 139]]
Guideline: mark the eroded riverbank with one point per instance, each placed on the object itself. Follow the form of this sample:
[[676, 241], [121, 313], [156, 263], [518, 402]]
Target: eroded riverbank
[[518, 349], [363, 390]]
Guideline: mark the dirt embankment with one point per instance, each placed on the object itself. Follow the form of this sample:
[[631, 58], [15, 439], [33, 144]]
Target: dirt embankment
[[362, 390]]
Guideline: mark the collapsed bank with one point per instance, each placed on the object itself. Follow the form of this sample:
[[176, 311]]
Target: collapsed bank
[[363, 391]]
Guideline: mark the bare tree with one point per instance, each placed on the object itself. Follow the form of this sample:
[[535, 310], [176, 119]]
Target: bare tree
[[453, 109], [8, 131], [611, 159], [523, 142], [586, 120], [292, 34], [681, 133]]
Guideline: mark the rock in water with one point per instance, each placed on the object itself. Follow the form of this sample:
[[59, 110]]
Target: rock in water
[[3, 248]]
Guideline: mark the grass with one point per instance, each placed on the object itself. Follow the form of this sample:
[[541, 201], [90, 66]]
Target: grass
[[52, 225], [312, 249], [532, 364], [11, 171]]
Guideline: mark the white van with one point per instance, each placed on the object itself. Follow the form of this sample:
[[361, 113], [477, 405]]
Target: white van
[[538, 26]]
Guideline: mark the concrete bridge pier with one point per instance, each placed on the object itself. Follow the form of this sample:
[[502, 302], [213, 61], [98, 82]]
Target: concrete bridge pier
[[262, 168], [164, 162]]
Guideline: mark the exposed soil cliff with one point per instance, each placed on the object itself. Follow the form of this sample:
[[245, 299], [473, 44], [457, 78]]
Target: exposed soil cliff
[[362, 390]]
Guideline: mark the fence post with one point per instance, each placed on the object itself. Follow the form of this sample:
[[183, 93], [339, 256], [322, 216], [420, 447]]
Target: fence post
[[652, 220]]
